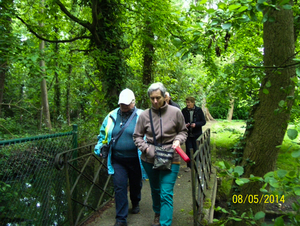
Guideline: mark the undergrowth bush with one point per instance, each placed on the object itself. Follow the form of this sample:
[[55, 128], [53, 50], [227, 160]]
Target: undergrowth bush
[[284, 180]]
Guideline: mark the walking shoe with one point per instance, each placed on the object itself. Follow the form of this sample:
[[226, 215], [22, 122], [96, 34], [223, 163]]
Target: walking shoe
[[135, 209], [188, 169], [156, 220], [118, 223]]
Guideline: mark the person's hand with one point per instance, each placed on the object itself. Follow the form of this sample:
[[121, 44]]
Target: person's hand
[[193, 125], [176, 143], [187, 125]]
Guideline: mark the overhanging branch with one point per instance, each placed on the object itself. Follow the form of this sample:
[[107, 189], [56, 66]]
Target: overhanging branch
[[87, 25], [273, 67], [89, 77], [52, 41]]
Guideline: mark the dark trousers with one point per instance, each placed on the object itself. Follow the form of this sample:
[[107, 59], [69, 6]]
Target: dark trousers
[[190, 143], [126, 169]]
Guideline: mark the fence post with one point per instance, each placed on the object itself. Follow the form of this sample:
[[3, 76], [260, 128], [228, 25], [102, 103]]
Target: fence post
[[74, 140], [193, 186], [73, 174], [68, 190]]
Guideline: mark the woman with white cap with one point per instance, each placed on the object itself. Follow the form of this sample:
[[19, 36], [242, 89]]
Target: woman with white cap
[[123, 160]]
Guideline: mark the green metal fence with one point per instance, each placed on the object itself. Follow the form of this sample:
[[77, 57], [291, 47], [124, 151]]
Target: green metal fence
[[88, 186], [201, 168], [46, 180]]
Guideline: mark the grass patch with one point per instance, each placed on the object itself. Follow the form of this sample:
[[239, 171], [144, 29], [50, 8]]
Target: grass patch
[[225, 135]]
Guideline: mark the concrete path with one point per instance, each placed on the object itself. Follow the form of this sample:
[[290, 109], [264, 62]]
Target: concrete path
[[183, 206]]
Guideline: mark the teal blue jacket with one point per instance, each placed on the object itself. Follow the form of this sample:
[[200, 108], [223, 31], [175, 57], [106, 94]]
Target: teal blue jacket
[[105, 137]]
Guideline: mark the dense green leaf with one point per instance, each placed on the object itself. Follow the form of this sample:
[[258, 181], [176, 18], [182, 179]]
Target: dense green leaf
[[241, 181], [287, 7], [292, 134], [281, 103], [236, 219], [226, 26], [296, 154], [259, 215], [234, 7], [239, 170], [297, 190], [265, 91], [260, 7], [281, 173], [243, 8], [279, 221]]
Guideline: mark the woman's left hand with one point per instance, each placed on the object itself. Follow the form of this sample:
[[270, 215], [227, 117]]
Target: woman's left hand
[[176, 143]]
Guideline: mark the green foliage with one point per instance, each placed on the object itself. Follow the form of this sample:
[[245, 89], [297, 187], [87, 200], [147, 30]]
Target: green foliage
[[282, 183], [248, 218], [7, 193]]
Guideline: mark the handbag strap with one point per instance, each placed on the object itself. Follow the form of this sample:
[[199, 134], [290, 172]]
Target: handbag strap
[[114, 139], [152, 127]]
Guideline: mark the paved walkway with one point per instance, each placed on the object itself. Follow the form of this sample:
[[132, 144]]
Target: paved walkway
[[183, 205]]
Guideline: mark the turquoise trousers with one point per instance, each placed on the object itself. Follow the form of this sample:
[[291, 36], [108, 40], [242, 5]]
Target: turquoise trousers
[[162, 184]]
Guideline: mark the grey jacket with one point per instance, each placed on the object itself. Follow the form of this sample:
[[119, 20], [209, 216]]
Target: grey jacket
[[169, 125]]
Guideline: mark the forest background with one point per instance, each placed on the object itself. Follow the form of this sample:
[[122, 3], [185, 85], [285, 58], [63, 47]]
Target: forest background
[[65, 62]]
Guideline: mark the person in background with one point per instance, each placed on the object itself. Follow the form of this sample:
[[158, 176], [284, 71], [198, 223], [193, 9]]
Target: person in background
[[170, 131], [169, 100], [194, 119], [124, 158]]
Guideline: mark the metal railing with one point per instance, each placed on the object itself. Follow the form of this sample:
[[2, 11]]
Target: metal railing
[[200, 173], [48, 180], [88, 186]]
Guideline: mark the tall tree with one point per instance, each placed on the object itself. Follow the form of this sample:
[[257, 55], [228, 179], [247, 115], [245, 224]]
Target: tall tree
[[6, 39], [99, 22], [44, 91], [148, 57], [107, 39], [271, 115]]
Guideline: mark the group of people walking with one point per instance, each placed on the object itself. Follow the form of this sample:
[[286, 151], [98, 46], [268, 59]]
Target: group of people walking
[[135, 136]]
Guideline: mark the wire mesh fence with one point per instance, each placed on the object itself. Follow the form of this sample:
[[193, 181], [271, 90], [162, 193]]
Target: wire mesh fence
[[34, 191]]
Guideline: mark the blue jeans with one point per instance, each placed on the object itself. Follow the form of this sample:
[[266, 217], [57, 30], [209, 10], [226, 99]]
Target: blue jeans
[[126, 169], [191, 142], [162, 185]]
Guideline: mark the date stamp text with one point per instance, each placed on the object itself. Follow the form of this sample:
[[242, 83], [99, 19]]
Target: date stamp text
[[257, 199]]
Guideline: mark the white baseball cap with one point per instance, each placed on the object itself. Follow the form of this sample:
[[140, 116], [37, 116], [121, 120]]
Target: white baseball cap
[[126, 97]]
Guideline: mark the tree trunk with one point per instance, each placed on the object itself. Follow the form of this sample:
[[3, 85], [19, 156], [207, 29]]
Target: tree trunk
[[5, 45], [44, 92], [230, 110], [45, 104], [271, 115], [148, 62], [208, 116], [110, 43], [2, 82], [68, 96], [57, 94]]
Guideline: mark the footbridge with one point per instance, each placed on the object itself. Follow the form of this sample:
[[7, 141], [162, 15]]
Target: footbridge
[[49, 180]]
